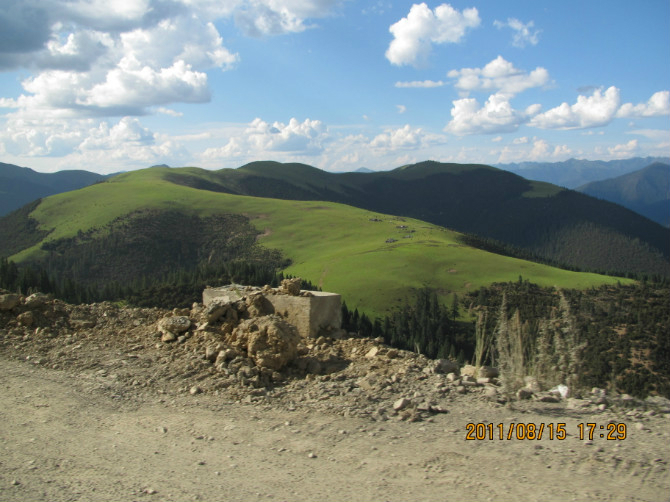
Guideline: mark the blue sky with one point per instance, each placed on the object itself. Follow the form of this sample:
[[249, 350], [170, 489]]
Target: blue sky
[[108, 86]]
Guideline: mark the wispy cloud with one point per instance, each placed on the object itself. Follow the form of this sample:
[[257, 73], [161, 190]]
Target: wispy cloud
[[524, 33], [423, 84]]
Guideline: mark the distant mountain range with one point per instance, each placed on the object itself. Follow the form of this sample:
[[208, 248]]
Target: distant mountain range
[[21, 185], [574, 173], [499, 210], [646, 191]]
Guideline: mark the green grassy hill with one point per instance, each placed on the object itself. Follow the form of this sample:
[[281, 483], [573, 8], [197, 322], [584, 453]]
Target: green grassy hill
[[552, 223], [338, 247]]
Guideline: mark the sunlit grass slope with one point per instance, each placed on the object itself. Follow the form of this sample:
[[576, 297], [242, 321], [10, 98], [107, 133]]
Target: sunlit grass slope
[[340, 248]]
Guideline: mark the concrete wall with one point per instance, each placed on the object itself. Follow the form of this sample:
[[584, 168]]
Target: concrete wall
[[310, 314]]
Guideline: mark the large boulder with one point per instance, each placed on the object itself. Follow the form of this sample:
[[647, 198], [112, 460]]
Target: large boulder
[[9, 301], [488, 372], [218, 308], [36, 300], [269, 341], [171, 327], [445, 366]]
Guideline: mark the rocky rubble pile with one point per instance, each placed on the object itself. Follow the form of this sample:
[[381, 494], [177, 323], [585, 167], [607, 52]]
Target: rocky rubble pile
[[235, 349]]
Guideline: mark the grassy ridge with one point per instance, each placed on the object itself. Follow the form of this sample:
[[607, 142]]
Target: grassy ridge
[[336, 246]]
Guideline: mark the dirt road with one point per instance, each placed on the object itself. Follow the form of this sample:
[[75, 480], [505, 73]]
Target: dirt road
[[62, 438]]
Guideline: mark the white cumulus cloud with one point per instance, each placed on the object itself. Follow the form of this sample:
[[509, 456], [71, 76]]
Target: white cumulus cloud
[[82, 143], [260, 137], [83, 72], [133, 86], [657, 106], [414, 35], [533, 149], [405, 137], [496, 116], [499, 75], [589, 111], [625, 150], [101, 58]]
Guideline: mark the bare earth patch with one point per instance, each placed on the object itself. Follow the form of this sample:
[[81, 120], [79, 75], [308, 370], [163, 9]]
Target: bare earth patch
[[96, 408]]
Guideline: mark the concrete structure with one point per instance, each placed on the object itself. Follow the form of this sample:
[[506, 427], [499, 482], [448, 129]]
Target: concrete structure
[[314, 314], [230, 293]]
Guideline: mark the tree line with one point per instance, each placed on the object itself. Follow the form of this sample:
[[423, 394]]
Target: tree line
[[617, 337]]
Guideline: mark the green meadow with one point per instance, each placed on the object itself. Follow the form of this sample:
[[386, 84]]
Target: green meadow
[[340, 248]]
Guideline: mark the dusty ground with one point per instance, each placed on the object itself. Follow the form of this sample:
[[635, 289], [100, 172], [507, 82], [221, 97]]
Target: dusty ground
[[103, 411]]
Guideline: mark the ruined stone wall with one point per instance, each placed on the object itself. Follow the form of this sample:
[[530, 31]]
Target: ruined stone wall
[[313, 313]]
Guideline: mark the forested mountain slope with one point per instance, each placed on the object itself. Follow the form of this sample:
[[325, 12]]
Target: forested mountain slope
[[646, 192], [21, 185], [573, 173]]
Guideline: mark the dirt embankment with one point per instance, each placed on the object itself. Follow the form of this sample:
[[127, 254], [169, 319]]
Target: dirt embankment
[[96, 407]]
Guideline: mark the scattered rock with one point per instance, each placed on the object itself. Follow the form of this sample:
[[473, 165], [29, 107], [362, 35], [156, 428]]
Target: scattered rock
[[175, 324], [490, 393], [401, 404], [469, 370], [445, 366], [168, 337], [291, 286], [487, 372], [9, 301], [217, 309], [36, 300], [26, 319], [524, 393]]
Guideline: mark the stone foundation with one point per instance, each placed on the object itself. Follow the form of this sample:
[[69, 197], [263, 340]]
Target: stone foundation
[[313, 313]]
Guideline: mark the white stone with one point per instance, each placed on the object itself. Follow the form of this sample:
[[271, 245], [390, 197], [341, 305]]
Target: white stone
[[401, 404]]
